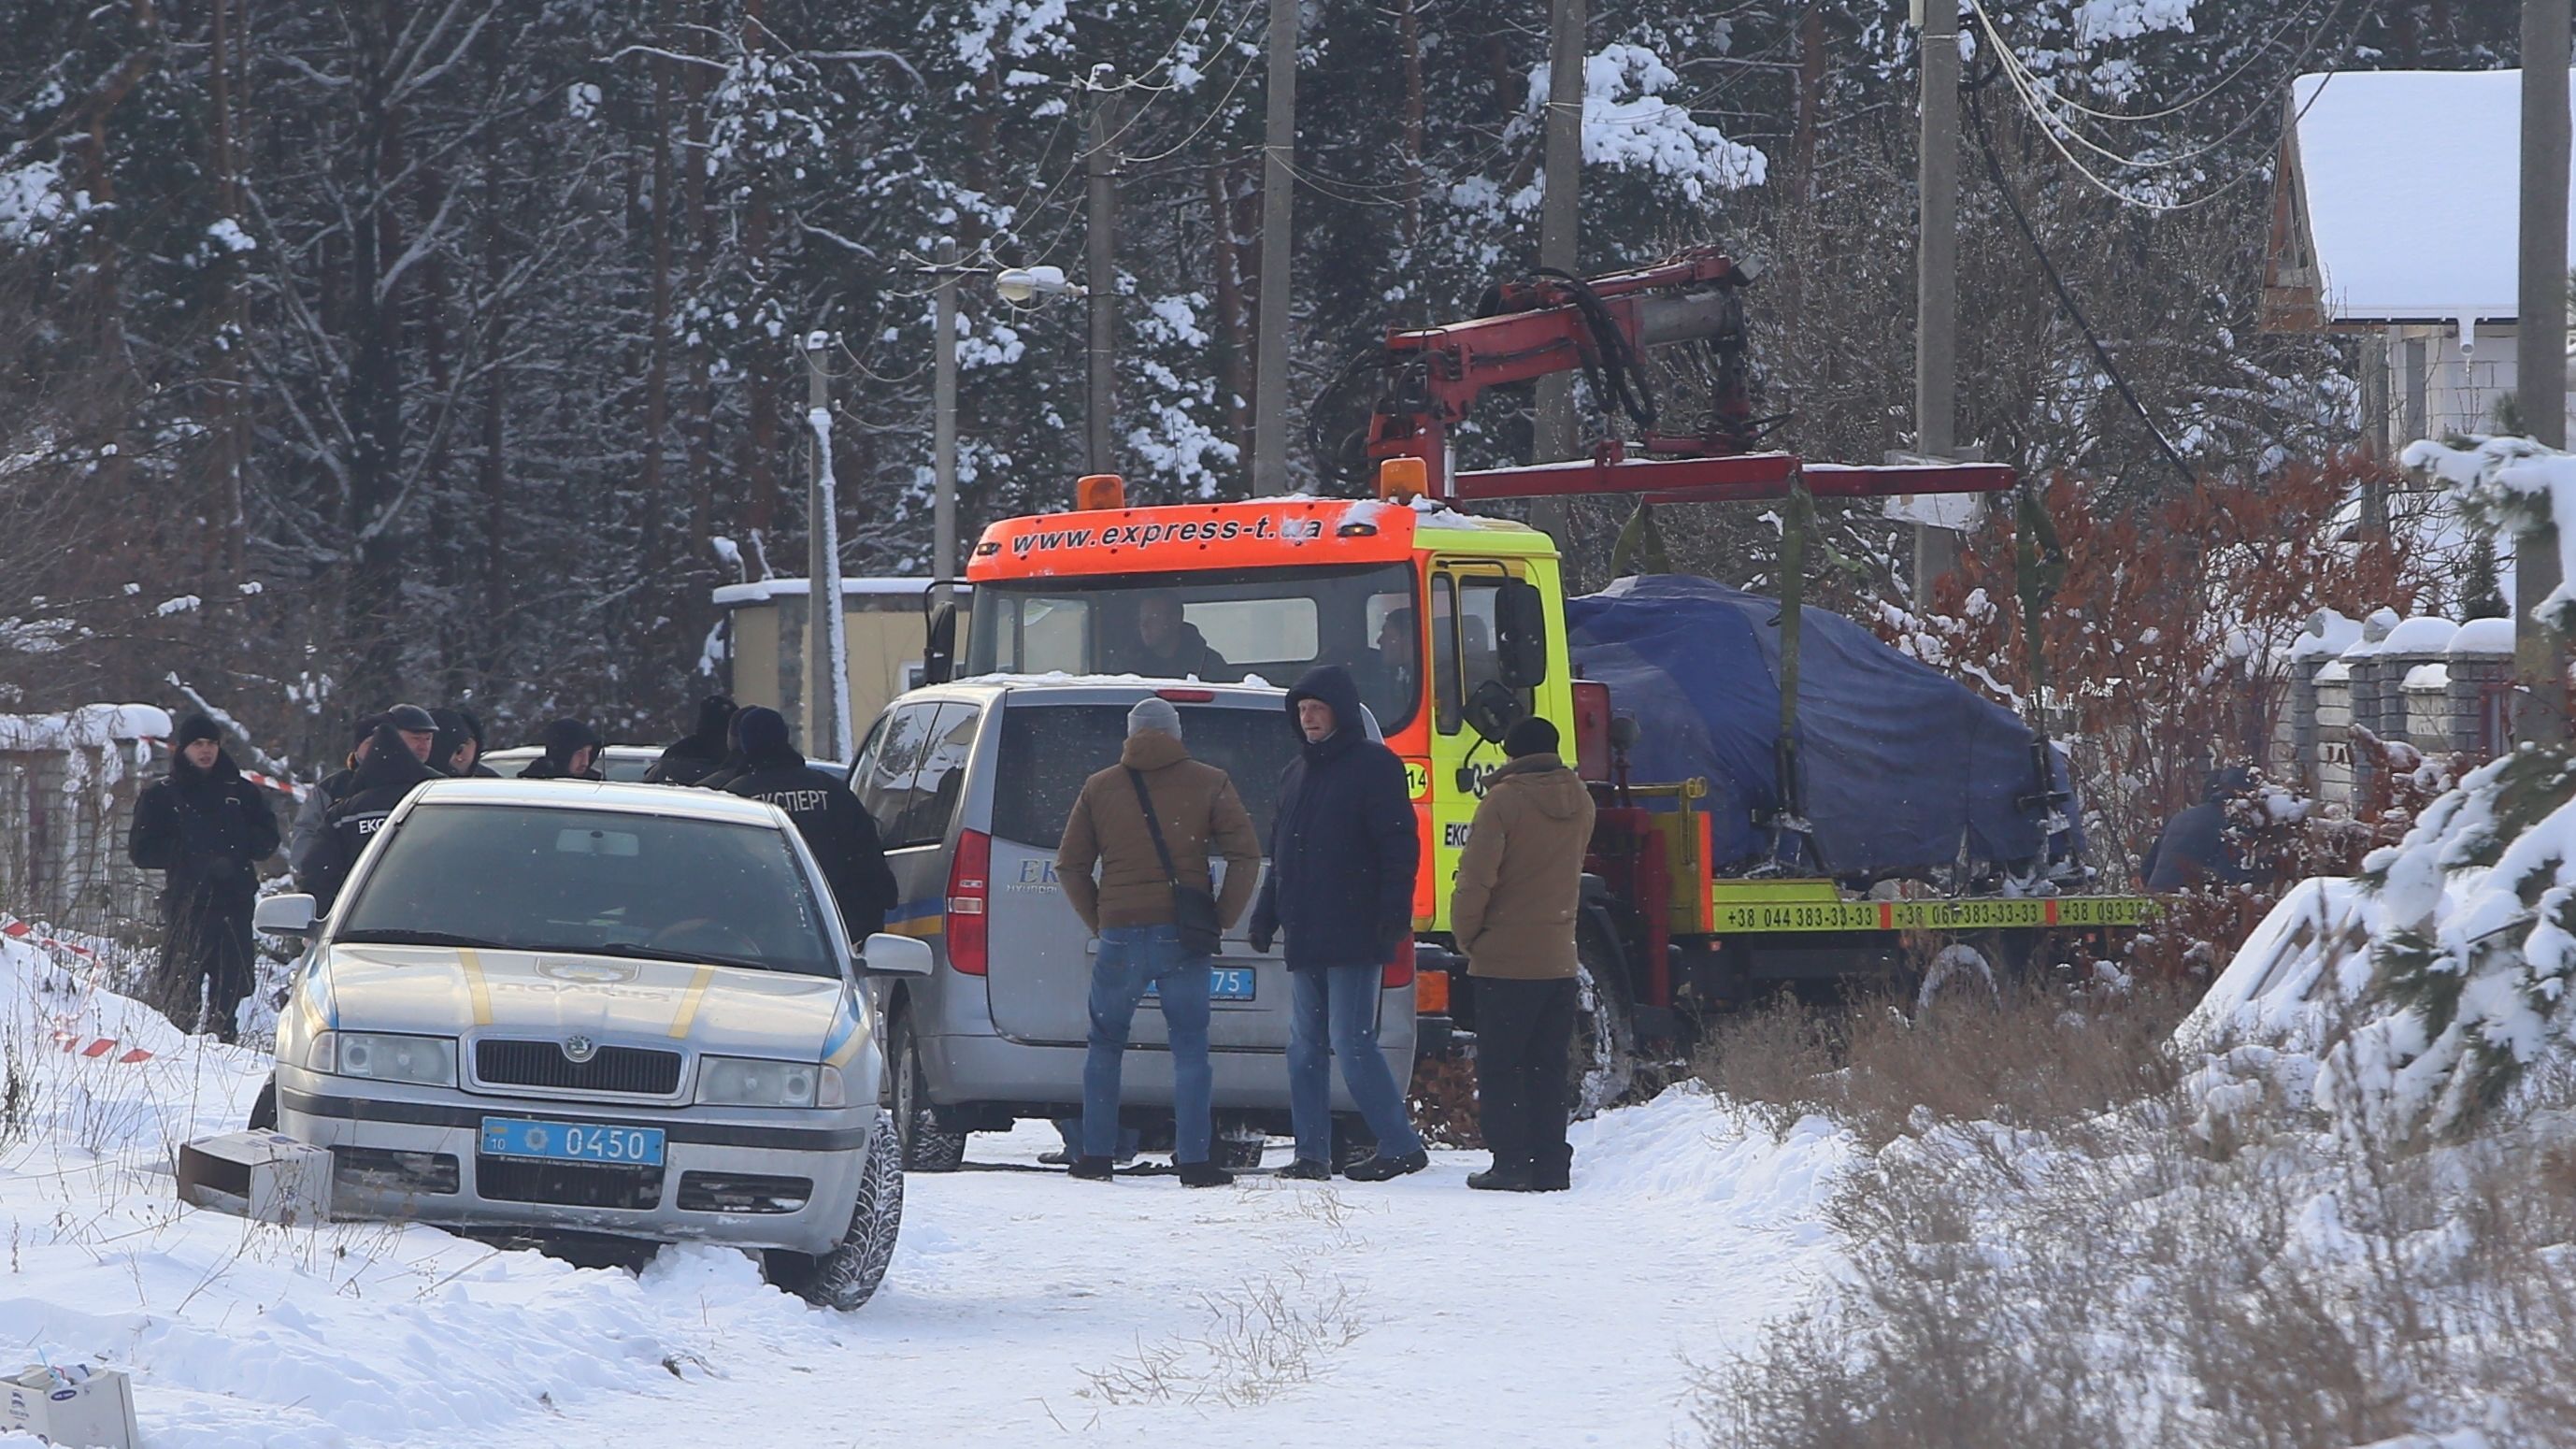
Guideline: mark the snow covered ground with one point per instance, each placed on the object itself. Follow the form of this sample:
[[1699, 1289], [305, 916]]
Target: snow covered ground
[[1023, 1308]]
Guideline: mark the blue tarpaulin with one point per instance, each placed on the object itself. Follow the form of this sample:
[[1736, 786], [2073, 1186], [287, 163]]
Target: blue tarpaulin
[[1905, 770]]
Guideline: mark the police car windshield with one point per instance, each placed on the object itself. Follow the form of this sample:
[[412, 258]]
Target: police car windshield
[[534, 878], [1220, 626]]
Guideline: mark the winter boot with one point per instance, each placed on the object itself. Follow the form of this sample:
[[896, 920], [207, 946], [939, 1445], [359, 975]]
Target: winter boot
[[1381, 1168], [1205, 1174], [1503, 1177], [1306, 1169], [1092, 1169]]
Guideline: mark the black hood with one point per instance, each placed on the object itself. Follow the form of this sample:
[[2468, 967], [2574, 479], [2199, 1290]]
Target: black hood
[[566, 737], [452, 735], [390, 762], [184, 774], [1332, 684], [715, 725]]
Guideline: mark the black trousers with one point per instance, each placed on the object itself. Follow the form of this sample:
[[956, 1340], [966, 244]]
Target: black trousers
[[1524, 1030], [206, 959]]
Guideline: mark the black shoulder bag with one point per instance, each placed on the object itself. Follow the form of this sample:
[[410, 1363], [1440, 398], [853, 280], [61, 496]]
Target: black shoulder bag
[[1193, 910]]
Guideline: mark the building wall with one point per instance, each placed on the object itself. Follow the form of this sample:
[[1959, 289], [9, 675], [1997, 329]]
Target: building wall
[[2433, 388]]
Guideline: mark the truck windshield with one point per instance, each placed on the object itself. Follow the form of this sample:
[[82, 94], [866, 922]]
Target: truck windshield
[[1219, 626]]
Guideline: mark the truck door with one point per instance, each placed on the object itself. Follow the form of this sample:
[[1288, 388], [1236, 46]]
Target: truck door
[[1465, 666]]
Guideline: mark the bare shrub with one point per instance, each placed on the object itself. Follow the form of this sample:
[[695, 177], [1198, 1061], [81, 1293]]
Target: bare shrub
[[2113, 1279], [1444, 1103], [1270, 1336], [2027, 1054]]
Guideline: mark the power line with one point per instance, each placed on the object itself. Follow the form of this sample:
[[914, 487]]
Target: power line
[[2065, 297], [2192, 102]]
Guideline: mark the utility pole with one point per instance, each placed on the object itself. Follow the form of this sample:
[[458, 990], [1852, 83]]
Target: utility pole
[[2540, 354], [825, 659], [943, 434], [1278, 212], [1100, 165], [1936, 296], [1560, 222]]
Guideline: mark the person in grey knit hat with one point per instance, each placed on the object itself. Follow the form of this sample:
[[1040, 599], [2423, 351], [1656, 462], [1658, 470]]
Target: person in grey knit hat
[[1132, 904]]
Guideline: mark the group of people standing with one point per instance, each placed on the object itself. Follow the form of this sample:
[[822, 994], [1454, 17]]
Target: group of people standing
[[1343, 861]]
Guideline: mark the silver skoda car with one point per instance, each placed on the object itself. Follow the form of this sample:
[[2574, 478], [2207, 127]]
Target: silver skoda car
[[555, 1009]]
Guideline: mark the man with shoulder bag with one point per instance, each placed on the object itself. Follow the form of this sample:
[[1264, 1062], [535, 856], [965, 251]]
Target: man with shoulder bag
[[1146, 824]]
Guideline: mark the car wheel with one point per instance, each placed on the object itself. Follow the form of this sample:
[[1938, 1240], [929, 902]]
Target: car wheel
[[263, 1108], [849, 1275], [928, 1145], [1239, 1147], [1602, 1064]]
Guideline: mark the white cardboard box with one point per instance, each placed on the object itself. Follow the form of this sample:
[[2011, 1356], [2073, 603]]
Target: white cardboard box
[[264, 1175], [96, 1412]]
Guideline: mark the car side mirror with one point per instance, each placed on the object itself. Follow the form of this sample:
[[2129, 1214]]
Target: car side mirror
[[890, 955], [939, 646], [1492, 709], [287, 915], [1520, 628]]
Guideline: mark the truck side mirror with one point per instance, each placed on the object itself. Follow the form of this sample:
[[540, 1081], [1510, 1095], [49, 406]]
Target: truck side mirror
[[939, 646], [1492, 709], [1520, 622]]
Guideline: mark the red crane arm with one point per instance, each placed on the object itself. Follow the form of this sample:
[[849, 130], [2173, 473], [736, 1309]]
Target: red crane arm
[[1548, 325]]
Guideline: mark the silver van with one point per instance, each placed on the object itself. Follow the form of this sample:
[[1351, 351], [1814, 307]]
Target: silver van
[[970, 784]]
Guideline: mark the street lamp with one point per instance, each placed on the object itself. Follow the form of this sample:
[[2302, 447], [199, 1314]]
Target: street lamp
[[1019, 286]]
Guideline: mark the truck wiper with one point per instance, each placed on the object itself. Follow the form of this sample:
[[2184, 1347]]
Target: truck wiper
[[400, 936]]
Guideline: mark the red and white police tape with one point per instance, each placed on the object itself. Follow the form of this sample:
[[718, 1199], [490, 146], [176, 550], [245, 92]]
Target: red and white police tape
[[99, 1048]]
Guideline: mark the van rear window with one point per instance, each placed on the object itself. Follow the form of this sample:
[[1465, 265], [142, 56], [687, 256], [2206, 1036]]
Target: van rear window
[[1048, 750]]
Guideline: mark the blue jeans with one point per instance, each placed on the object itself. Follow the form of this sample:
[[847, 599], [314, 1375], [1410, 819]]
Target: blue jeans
[[1131, 959], [1333, 1013]]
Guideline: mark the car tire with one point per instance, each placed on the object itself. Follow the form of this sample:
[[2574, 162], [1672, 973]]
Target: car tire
[[928, 1144], [850, 1274], [1238, 1147], [1602, 1064], [263, 1108]]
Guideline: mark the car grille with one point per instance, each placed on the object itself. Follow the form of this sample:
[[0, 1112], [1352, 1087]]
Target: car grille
[[742, 1192], [636, 1071], [567, 1184]]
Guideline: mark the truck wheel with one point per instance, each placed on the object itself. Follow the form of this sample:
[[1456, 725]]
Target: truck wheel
[[850, 1274], [1603, 1063], [928, 1145]]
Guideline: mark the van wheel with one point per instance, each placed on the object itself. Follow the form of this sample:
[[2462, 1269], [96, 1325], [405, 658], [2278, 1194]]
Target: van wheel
[[1603, 1063], [849, 1275], [1238, 1147], [928, 1145]]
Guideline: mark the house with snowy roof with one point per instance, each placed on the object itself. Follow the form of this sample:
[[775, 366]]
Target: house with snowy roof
[[2394, 218]]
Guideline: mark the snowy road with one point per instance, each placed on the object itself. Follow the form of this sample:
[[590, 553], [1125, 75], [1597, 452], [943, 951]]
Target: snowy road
[[1028, 1309], [1023, 1308]]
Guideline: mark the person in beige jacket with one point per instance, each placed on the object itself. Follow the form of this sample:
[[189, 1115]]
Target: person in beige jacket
[[1520, 884], [1131, 908]]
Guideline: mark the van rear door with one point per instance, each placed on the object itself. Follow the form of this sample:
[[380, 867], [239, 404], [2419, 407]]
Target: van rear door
[[1041, 955]]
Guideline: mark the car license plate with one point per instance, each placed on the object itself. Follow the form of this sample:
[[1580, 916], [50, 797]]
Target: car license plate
[[572, 1142], [1225, 983]]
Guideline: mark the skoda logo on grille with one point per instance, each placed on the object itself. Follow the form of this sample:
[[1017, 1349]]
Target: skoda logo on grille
[[579, 1049]]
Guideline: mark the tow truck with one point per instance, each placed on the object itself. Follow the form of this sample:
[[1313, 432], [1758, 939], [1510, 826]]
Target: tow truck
[[1408, 573]]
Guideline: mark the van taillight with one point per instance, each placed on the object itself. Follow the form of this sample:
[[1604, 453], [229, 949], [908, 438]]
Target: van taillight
[[1399, 972], [1188, 696], [969, 886]]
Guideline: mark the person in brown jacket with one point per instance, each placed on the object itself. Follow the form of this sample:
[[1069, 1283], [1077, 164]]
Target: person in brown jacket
[[1131, 908], [1520, 884]]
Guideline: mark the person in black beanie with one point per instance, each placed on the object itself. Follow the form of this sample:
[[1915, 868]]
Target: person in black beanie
[[694, 756], [837, 828], [207, 829], [1520, 887]]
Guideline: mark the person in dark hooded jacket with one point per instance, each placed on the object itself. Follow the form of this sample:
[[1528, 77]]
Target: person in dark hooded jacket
[[1342, 859], [837, 828], [391, 771], [694, 756], [313, 817], [207, 828], [572, 753], [2193, 848], [730, 768], [459, 749]]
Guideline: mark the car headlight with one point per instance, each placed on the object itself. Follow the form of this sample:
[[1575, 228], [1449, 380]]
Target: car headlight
[[758, 1082], [428, 1061]]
